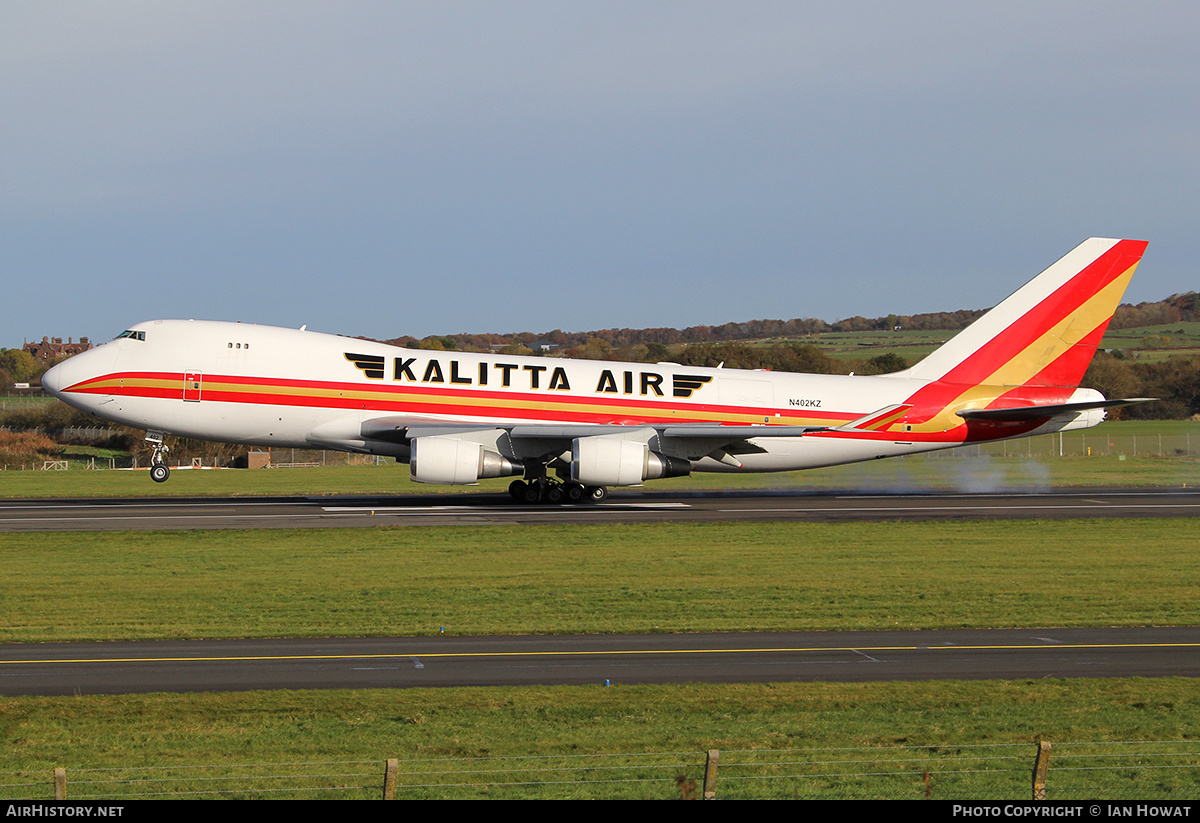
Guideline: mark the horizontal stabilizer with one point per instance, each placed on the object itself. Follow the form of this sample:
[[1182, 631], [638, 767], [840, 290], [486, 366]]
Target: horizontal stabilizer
[[1030, 413]]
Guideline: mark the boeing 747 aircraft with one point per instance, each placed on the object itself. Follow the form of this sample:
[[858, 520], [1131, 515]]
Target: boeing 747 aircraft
[[569, 429]]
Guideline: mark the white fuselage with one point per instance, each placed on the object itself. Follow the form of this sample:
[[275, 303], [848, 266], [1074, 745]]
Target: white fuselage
[[268, 386]]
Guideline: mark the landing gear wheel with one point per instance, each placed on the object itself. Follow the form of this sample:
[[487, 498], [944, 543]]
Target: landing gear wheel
[[575, 492], [159, 473], [597, 494], [555, 494], [532, 493], [516, 490]]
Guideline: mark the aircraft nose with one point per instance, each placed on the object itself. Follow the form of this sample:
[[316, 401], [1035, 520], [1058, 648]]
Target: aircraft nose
[[89, 364], [56, 379]]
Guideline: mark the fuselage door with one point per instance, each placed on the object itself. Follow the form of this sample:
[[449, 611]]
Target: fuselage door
[[192, 382]]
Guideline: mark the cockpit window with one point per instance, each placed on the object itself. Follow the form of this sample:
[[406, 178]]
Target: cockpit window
[[133, 335]]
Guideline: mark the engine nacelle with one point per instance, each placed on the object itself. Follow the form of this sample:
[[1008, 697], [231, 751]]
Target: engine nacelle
[[609, 461], [450, 461]]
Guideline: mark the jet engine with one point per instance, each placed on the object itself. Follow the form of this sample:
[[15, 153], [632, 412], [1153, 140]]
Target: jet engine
[[450, 461], [607, 461]]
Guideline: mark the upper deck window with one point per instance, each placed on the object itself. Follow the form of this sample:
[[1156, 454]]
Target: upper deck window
[[131, 334]]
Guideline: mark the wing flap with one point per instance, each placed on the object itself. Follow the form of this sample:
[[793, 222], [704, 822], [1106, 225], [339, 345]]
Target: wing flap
[[877, 420]]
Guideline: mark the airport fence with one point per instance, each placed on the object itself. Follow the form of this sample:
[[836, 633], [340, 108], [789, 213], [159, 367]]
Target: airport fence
[[280, 458], [1145, 771], [1087, 444], [22, 399]]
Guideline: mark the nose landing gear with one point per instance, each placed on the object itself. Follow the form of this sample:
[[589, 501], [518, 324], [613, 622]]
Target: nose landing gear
[[158, 461]]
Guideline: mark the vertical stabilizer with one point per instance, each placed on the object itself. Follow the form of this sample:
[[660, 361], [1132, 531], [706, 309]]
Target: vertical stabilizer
[[1046, 333]]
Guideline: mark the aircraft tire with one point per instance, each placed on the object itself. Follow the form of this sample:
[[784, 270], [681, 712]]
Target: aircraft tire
[[575, 493], [555, 494], [596, 494], [159, 473], [516, 490], [532, 494]]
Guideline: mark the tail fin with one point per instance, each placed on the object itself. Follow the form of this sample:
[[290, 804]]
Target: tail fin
[[1046, 333]]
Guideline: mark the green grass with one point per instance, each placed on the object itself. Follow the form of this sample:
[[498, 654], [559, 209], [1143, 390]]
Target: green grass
[[1147, 342], [1127, 428], [793, 740], [912, 345], [25, 402], [1156, 342], [597, 579]]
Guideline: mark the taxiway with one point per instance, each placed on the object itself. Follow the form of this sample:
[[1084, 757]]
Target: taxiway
[[440, 661]]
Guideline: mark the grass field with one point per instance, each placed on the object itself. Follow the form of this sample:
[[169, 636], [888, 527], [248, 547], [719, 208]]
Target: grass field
[[1156, 342], [786, 741], [25, 402], [597, 579], [913, 346], [1146, 342]]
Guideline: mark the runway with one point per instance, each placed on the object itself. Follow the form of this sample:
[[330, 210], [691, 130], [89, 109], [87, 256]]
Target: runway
[[439, 661], [632, 506]]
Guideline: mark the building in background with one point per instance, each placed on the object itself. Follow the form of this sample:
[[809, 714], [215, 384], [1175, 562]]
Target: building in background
[[52, 348]]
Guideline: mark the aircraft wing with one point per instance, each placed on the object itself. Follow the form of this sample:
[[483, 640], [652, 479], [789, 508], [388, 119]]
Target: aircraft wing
[[403, 429], [714, 431], [693, 440]]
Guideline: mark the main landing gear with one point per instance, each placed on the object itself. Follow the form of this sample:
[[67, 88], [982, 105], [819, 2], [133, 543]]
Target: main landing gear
[[158, 457], [545, 490]]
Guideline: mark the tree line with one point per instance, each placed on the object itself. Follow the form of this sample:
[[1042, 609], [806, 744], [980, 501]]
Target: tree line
[[1174, 309]]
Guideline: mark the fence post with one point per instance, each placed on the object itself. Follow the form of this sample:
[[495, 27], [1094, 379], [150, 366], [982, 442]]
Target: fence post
[[60, 783], [1041, 764], [389, 779], [710, 774]]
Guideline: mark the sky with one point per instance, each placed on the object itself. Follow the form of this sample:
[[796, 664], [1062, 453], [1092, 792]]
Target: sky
[[414, 168]]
